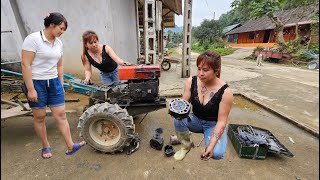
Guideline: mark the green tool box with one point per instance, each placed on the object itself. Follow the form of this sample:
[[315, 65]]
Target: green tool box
[[257, 151]]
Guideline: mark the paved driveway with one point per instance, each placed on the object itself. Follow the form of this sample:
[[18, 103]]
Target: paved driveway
[[289, 90]]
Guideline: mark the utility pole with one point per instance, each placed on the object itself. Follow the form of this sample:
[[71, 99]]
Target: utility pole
[[149, 31], [186, 46]]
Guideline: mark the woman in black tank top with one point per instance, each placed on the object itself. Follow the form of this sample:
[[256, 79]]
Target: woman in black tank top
[[101, 57], [211, 100]]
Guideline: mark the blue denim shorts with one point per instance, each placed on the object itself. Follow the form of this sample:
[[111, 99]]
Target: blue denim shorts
[[111, 78], [50, 93]]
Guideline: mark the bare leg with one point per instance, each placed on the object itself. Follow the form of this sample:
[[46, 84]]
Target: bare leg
[[59, 115], [40, 128]]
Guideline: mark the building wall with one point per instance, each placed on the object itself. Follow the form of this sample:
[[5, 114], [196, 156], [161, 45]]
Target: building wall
[[11, 39], [288, 34], [114, 22]]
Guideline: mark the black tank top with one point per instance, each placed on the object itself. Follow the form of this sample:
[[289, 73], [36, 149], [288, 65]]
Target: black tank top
[[209, 111], [107, 65]]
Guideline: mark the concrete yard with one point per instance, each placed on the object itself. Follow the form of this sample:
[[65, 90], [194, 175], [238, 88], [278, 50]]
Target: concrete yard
[[292, 91], [20, 153]]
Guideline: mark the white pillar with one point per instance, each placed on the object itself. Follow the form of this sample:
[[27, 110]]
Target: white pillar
[[138, 30], [186, 46], [149, 32]]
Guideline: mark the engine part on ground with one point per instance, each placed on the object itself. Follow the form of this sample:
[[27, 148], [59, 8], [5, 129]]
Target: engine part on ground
[[108, 128], [179, 108], [159, 131], [169, 151], [134, 144], [157, 141], [165, 65], [174, 140]]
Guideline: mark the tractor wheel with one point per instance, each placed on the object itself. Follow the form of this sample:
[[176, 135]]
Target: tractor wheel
[[107, 127], [165, 65]]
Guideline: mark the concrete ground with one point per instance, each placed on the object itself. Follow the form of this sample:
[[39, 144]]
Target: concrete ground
[[291, 91]]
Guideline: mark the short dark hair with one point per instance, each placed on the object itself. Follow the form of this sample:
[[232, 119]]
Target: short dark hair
[[212, 59], [56, 19]]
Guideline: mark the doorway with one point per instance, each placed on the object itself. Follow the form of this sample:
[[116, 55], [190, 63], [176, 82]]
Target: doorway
[[266, 36]]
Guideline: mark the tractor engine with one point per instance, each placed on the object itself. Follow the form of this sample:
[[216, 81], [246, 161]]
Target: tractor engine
[[139, 86], [142, 82]]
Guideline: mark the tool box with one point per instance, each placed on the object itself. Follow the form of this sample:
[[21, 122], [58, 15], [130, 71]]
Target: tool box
[[255, 143]]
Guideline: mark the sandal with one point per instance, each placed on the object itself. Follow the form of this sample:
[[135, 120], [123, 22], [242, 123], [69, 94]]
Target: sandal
[[75, 148], [46, 150]]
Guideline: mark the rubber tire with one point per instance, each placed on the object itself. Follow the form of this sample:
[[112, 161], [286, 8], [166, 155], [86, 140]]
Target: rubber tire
[[114, 113], [313, 64], [164, 65]]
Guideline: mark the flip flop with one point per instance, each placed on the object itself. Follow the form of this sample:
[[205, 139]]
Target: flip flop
[[46, 150], [75, 148]]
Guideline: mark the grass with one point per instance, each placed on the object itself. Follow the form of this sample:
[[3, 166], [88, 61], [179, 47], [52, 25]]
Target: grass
[[172, 51], [221, 51]]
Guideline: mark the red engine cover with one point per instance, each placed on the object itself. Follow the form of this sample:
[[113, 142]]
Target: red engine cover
[[141, 71]]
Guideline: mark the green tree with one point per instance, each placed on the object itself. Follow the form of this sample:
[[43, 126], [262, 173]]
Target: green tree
[[233, 17], [209, 31], [175, 38]]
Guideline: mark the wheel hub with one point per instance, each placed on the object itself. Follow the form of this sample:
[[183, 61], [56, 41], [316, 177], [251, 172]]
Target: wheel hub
[[104, 132]]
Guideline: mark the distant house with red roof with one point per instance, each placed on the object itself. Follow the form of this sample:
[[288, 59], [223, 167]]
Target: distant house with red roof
[[261, 31]]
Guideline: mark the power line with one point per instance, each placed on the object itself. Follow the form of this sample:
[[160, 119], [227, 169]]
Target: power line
[[210, 9]]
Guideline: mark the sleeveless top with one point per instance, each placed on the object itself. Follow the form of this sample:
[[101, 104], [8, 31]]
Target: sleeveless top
[[209, 111], [107, 65]]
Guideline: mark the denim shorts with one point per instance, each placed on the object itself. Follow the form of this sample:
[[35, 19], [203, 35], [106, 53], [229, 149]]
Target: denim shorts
[[111, 78], [50, 93]]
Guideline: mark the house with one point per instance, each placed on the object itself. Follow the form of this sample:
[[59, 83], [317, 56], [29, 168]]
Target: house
[[261, 32], [228, 29]]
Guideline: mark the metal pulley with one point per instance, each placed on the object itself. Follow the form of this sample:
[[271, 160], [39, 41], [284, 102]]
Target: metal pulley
[[179, 108]]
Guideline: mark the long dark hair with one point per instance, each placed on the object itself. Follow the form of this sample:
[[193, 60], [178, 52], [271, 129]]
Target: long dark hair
[[87, 36], [212, 59], [56, 19]]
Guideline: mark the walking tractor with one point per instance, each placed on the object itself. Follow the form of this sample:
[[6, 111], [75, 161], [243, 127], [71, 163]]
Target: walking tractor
[[107, 121]]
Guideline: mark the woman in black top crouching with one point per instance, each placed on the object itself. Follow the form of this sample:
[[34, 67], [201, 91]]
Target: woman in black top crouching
[[211, 100]]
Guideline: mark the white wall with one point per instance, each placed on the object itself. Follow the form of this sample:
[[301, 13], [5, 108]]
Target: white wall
[[113, 20], [11, 39]]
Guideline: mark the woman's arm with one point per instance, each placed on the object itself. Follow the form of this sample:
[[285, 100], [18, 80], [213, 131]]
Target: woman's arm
[[224, 111], [26, 60], [114, 56], [187, 89], [87, 70], [60, 71]]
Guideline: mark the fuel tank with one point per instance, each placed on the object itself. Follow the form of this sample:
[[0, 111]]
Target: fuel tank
[[139, 72]]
